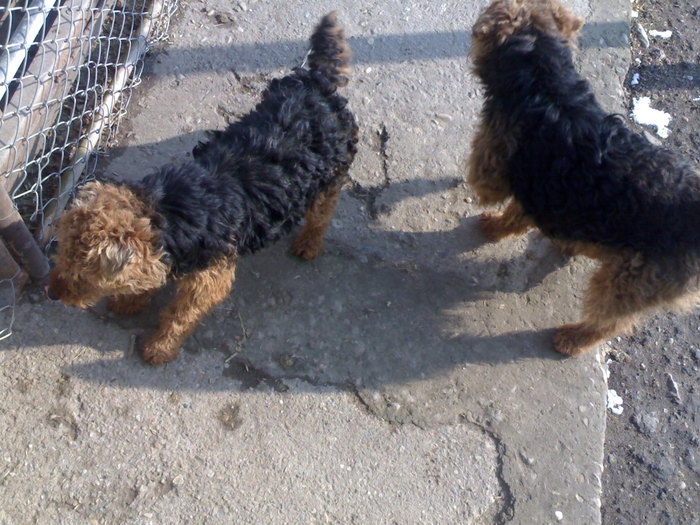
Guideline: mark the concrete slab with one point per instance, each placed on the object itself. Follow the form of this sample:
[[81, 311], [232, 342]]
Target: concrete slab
[[404, 377]]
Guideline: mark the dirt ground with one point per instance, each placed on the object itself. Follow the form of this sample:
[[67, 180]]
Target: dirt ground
[[652, 467]]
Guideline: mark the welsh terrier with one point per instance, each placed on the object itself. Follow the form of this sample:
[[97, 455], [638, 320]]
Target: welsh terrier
[[578, 174], [246, 187]]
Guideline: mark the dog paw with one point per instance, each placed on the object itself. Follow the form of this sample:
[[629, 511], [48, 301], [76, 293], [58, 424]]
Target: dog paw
[[306, 248], [573, 339], [491, 225], [155, 351]]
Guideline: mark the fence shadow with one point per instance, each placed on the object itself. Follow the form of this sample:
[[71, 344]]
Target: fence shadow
[[380, 49]]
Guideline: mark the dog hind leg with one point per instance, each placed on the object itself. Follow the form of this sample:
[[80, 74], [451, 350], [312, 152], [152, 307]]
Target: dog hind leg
[[618, 294], [308, 244]]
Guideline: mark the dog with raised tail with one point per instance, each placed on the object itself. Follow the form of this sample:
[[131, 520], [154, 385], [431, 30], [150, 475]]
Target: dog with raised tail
[[247, 186]]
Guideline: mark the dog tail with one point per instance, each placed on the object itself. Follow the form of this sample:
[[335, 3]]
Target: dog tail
[[330, 53]]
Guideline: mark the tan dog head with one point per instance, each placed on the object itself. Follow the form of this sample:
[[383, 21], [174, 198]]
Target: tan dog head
[[502, 18], [106, 246]]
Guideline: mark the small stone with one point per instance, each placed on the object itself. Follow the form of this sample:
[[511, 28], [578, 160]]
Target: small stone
[[527, 460], [647, 424], [35, 297], [178, 480], [229, 416], [286, 361], [224, 18], [664, 470], [673, 387], [657, 53], [651, 138], [643, 37], [691, 461], [695, 352]]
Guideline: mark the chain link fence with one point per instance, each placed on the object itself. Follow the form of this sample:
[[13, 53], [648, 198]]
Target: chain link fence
[[67, 70]]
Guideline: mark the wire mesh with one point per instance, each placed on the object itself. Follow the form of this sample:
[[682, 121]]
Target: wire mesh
[[67, 71], [7, 306]]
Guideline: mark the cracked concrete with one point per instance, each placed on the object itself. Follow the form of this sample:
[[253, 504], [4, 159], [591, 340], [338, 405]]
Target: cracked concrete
[[405, 376]]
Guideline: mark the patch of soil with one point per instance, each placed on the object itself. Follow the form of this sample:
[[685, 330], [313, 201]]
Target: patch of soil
[[652, 464], [669, 69]]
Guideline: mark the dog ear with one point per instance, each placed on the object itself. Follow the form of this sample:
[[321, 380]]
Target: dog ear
[[499, 21], [568, 23], [114, 257], [576, 24], [87, 194]]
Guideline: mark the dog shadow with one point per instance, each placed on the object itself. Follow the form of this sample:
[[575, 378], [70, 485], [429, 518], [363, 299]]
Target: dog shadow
[[288, 320], [350, 317], [332, 321]]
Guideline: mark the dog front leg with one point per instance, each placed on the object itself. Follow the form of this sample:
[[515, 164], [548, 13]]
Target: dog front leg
[[197, 294], [309, 243]]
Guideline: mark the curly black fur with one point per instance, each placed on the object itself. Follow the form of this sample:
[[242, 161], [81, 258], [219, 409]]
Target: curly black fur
[[577, 170], [251, 183]]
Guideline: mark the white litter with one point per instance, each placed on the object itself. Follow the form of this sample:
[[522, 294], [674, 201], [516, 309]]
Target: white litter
[[644, 115], [635, 79], [634, 14], [614, 403], [673, 387], [606, 369], [661, 34]]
